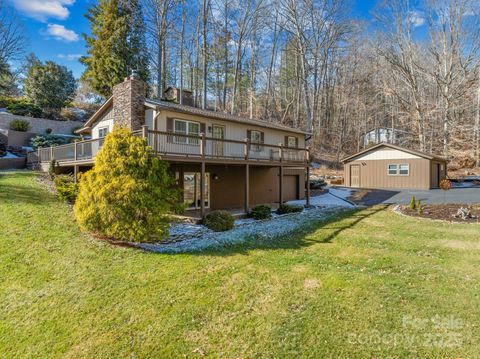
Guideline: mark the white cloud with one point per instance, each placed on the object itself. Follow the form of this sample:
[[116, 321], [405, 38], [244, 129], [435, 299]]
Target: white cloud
[[69, 57], [59, 32], [416, 18], [44, 9]]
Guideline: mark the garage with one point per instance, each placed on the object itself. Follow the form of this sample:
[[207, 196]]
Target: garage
[[388, 166]]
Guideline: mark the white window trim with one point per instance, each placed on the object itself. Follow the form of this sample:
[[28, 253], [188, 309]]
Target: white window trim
[[388, 169], [408, 169], [103, 128], [188, 140], [397, 172]]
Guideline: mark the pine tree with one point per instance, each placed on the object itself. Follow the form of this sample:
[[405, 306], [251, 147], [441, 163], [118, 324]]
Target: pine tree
[[116, 46], [129, 194]]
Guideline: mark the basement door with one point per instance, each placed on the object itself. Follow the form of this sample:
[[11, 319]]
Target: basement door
[[191, 190], [355, 176]]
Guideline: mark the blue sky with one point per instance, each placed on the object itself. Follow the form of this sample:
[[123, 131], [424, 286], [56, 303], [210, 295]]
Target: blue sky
[[55, 27]]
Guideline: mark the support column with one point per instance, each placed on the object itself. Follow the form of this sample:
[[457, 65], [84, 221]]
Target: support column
[[75, 173], [280, 185], [247, 188], [202, 190], [308, 185]]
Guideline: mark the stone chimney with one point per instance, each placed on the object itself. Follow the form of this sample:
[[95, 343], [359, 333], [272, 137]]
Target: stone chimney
[[128, 102]]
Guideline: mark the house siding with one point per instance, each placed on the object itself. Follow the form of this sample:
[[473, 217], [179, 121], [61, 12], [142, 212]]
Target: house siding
[[227, 192], [374, 174], [233, 131]]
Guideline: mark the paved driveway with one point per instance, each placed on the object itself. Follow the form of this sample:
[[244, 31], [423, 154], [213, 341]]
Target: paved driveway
[[466, 195]]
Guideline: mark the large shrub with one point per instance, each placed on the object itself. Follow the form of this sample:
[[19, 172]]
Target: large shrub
[[25, 109], [129, 194], [289, 208], [20, 125], [66, 187], [47, 141], [261, 212], [219, 221]]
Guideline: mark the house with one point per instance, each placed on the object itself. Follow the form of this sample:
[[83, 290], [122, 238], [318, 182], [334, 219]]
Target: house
[[386, 165], [243, 162]]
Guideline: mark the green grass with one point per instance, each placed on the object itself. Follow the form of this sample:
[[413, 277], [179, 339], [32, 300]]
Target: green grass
[[341, 288]]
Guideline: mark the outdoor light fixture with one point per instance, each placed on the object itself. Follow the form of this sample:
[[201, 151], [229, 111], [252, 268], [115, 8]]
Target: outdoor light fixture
[[215, 177]]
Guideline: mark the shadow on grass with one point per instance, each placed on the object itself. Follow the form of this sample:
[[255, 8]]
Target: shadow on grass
[[319, 231], [23, 192]]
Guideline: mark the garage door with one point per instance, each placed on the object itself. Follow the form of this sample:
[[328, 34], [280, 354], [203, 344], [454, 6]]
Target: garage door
[[290, 187]]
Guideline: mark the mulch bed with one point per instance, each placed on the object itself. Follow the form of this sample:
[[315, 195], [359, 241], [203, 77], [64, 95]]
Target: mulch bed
[[445, 212]]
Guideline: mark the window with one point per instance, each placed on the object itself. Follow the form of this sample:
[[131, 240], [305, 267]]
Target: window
[[256, 137], [255, 140], [392, 169], [404, 169], [187, 128], [291, 141], [102, 132]]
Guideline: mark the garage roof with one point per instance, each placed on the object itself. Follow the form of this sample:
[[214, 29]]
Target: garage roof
[[399, 148]]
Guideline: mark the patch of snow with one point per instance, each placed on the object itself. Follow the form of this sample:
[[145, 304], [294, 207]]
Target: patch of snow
[[465, 184], [9, 155], [247, 231]]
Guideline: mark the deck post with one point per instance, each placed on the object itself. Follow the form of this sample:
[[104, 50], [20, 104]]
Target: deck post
[[75, 154], [144, 131], [247, 188], [51, 153], [280, 191], [202, 190], [246, 149], [308, 184], [75, 173]]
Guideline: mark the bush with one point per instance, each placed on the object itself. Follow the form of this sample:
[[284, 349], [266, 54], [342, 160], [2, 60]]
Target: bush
[[317, 184], [129, 194], [413, 203], [67, 189], [289, 208], [41, 141], [48, 131], [261, 212], [6, 101], [20, 125], [25, 109], [219, 221]]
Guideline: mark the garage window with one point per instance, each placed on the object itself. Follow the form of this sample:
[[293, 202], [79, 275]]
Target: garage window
[[392, 169], [404, 169]]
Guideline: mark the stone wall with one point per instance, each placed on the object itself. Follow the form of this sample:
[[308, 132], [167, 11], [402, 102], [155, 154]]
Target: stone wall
[[12, 163], [128, 103], [39, 125]]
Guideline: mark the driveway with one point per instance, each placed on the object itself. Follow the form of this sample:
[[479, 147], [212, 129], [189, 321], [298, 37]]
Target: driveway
[[466, 195]]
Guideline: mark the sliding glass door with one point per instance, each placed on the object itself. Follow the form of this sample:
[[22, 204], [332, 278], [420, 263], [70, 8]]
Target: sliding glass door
[[191, 190]]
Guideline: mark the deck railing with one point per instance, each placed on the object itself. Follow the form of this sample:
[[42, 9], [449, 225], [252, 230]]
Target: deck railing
[[177, 145]]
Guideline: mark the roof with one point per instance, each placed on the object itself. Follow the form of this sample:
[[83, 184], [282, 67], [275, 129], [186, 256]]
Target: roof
[[87, 126], [175, 107], [403, 149], [172, 106]]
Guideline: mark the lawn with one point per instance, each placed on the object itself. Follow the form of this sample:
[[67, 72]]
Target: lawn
[[369, 283]]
